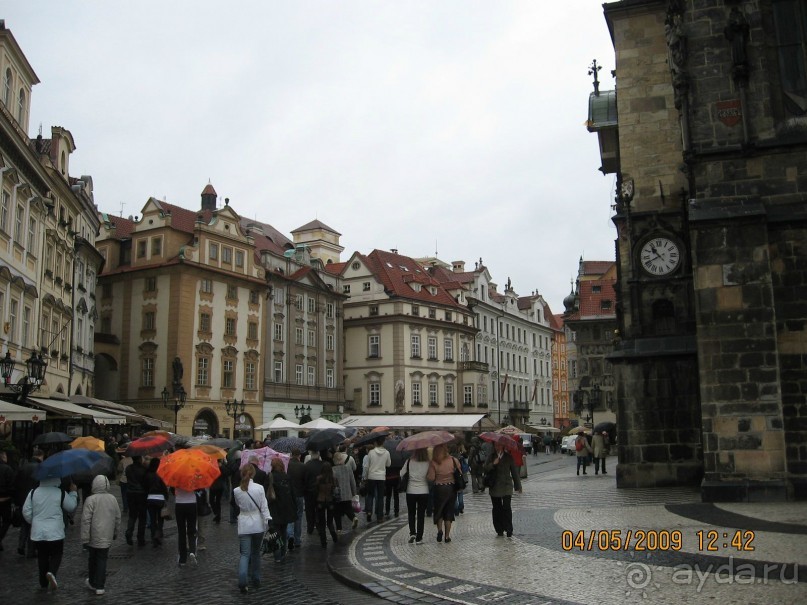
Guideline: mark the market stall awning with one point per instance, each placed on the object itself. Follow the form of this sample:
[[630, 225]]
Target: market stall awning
[[10, 412], [119, 409], [466, 422], [65, 409]]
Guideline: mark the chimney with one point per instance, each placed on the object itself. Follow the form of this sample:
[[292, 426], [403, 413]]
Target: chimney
[[458, 266], [209, 196]]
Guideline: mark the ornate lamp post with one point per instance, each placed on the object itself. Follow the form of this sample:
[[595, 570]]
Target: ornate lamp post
[[303, 413], [177, 404], [35, 368], [234, 409]]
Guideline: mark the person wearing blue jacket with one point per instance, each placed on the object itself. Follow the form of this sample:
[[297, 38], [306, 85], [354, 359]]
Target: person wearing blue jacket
[[43, 510]]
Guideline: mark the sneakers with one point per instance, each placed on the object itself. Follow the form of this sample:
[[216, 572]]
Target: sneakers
[[417, 542], [52, 581], [99, 591], [88, 585], [411, 539], [355, 522], [192, 558]]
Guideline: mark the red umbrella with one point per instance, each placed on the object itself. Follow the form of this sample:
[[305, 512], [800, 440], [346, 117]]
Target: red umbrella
[[507, 441], [144, 446], [424, 439], [188, 469]]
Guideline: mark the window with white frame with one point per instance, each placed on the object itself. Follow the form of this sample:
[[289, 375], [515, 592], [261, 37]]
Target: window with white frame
[[147, 374], [204, 322], [32, 236], [249, 375], [4, 211], [312, 305], [277, 331], [449, 395], [416, 310], [279, 296], [213, 251], [203, 371], [278, 371], [346, 289], [448, 350], [298, 373], [26, 326], [252, 330], [226, 255], [229, 326], [375, 394], [482, 394], [373, 345], [239, 258], [227, 377], [253, 297], [7, 85], [433, 394], [417, 398], [468, 395], [365, 286], [232, 292], [312, 338], [298, 302], [432, 348], [207, 286], [465, 353], [432, 313], [415, 339], [329, 310], [329, 342], [329, 378], [18, 223], [149, 322], [13, 310], [312, 375], [156, 246], [298, 336]]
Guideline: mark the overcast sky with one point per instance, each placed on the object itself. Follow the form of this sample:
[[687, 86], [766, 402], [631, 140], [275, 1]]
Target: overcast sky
[[448, 126]]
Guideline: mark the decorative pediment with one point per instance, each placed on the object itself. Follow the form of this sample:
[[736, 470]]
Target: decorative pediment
[[252, 355], [148, 348], [229, 351]]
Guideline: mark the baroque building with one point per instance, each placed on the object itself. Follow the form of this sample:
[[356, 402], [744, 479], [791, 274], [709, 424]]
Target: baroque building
[[706, 133]]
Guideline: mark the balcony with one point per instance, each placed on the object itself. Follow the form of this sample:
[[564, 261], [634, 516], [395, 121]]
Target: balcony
[[474, 366]]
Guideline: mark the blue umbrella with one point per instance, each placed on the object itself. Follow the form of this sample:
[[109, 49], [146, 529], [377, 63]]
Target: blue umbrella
[[66, 463]]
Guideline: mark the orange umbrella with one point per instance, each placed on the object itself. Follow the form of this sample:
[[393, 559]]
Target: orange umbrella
[[88, 443], [189, 469], [215, 452], [165, 434], [380, 429]]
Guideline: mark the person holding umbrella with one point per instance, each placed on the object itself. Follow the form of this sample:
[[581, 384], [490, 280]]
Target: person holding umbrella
[[417, 492], [44, 510], [505, 481]]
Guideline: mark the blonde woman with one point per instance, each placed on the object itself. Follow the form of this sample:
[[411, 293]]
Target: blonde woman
[[253, 518], [441, 473]]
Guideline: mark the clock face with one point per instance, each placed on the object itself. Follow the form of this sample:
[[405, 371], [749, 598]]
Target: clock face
[[660, 256]]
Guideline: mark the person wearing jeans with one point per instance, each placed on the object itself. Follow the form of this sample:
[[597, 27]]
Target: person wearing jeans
[[185, 513], [253, 519], [417, 493], [377, 463]]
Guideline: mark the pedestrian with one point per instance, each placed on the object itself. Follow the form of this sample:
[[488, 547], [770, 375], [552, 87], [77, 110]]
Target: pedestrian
[[599, 446], [296, 475], [391, 496], [311, 471], [23, 484], [253, 519], [547, 443], [417, 492], [282, 506], [583, 450], [136, 494], [156, 501], [217, 491], [185, 512], [441, 474], [234, 474], [346, 482], [44, 510], [459, 508], [506, 480], [100, 524], [7, 484], [123, 464], [326, 496], [378, 461]]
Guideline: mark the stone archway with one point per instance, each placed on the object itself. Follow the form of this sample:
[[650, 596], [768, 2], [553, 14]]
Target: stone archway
[[205, 423]]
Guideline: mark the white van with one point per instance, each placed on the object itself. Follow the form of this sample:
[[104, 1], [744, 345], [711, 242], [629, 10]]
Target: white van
[[526, 441]]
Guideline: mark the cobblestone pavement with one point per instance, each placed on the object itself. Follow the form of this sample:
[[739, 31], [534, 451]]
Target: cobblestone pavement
[[377, 563]]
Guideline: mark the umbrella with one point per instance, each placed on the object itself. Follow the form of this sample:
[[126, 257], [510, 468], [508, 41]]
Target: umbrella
[[510, 444], [320, 423], [165, 434], [104, 466], [324, 439], [265, 455], [606, 427], [224, 442], [148, 445], [189, 469], [370, 438], [52, 438], [213, 451], [66, 463], [509, 430], [286, 444], [88, 443], [278, 424], [380, 429], [425, 439], [578, 429]]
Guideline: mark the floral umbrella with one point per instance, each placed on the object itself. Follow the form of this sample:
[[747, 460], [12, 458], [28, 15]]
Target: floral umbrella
[[507, 441], [424, 439], [88, 443], [189, 470], [264, 456], [509, 430]]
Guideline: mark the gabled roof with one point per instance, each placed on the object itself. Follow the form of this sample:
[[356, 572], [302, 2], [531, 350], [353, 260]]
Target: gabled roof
[[182, 219], [397, 271], [444, 275], [315, 224], [595, 267], [335, 268], [123, 226]]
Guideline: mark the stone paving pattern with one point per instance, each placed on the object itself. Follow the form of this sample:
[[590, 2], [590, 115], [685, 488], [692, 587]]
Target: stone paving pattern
[[376, 562]]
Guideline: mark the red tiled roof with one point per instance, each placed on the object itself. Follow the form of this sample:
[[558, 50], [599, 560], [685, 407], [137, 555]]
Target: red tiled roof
[[182, 219], [444, 275], [595, 267], [391, 269], [335, 268], [556, 321], [123, 226], [208, 190]]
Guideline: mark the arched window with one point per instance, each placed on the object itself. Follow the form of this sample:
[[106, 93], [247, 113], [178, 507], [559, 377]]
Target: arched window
[[7, 88], [21, 108]]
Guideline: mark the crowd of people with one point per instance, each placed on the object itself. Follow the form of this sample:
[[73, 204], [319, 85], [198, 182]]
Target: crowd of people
[[324, 491]]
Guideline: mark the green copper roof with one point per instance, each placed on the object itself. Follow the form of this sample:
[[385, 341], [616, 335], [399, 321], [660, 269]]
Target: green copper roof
[[602, 110]]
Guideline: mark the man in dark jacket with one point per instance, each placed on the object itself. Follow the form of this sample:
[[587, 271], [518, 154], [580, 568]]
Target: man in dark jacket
[[296, 475], [312, 469], [6, 494], [137, 494], [23, 485]]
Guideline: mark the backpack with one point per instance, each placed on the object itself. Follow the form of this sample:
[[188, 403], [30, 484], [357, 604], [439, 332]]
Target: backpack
[[578, 445]]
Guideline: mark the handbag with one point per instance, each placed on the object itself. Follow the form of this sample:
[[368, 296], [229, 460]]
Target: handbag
[[489, 480], [271, 540], [202, 506], [403, 484], [459, 478], [356, 503]]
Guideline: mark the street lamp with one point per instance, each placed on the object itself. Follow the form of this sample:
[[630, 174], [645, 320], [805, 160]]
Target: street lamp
[[302, 411], [177, 404], [233, 409], [35, 367]]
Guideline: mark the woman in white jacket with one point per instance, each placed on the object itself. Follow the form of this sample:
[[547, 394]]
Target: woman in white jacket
[[100, 524], [253, 519]]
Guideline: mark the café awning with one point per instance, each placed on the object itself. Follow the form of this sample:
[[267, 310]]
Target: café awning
[[65, 409], [10, 412], [119, 409], [466, 422]]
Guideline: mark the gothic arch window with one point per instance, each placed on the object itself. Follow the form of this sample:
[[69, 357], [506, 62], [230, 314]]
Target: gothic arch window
[[663, 312]]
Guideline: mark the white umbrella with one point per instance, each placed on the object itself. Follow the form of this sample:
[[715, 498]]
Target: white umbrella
[[320, 423], [278, 424]]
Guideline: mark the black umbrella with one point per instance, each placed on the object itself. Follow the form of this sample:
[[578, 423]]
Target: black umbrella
[[222, 442], [370, 438], [397, 458], [104, 466], [52, 438], [606, 426], [286, 444], [325, 439]]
